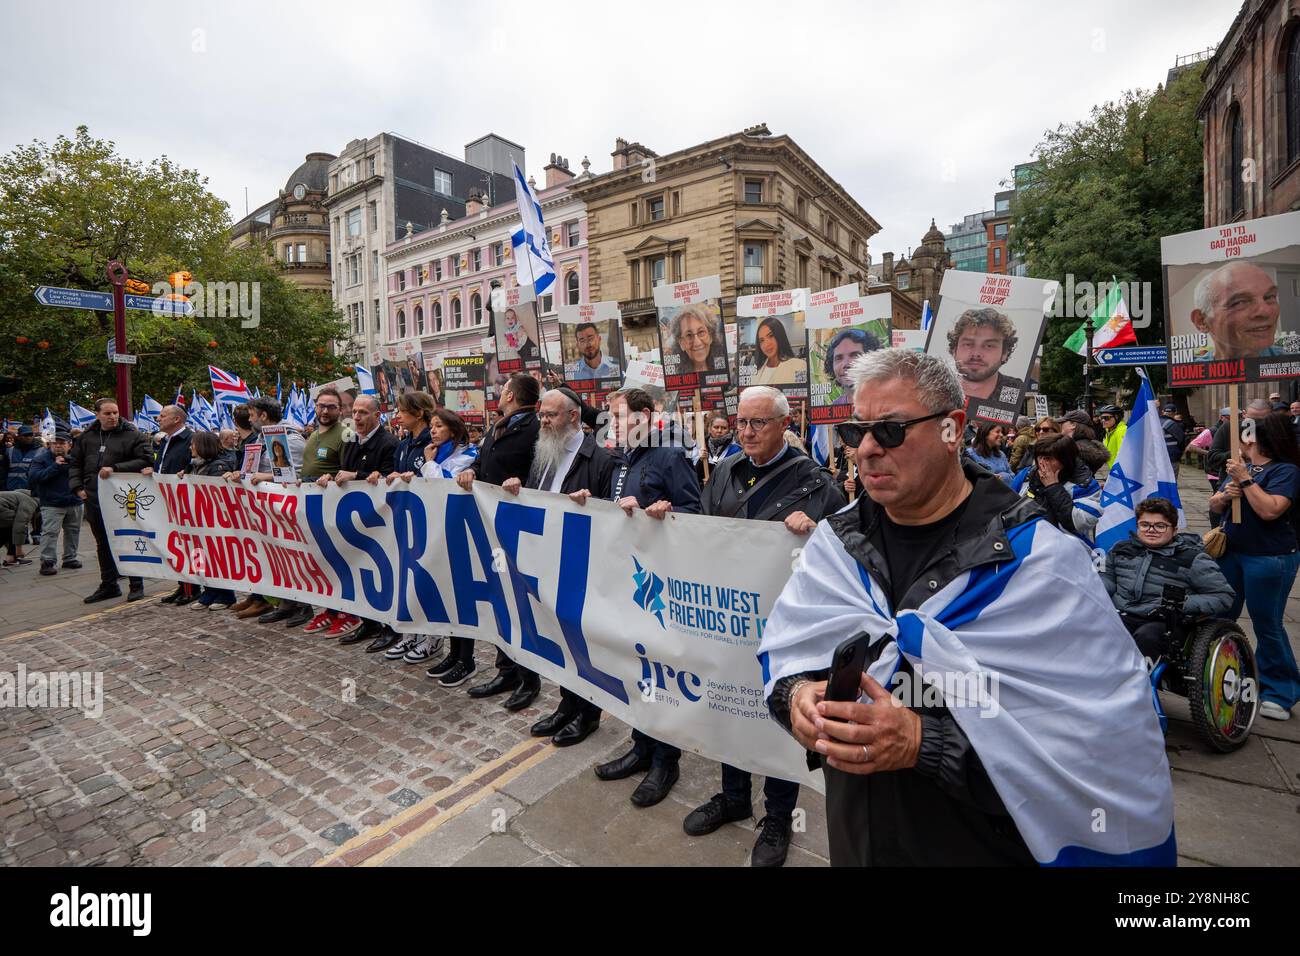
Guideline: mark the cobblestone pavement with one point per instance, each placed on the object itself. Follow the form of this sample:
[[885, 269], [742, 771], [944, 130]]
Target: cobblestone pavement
[[241, 744]]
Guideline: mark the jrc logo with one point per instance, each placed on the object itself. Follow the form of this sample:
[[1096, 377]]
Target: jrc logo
[[655, 675]]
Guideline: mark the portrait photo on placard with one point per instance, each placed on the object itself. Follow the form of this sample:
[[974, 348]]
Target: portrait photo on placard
[[1232, 302], [839, 333], [772, 350]]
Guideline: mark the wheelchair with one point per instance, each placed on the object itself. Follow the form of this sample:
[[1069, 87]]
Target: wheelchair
[[1211, 663]]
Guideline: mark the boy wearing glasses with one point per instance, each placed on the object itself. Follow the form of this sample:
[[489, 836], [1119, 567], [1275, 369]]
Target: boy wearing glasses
[[1155, 555]]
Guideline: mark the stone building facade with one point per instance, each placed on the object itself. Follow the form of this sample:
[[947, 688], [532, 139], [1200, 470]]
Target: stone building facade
[[294, 227]]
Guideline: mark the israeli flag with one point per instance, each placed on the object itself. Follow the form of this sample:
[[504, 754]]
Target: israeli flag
[[451, 463], [820, 447], [47, 426], [365, 380], [534, 266], [80, 417], [926, 316], [143, 423], [1142, 470], [1051, 691], [150, 407]]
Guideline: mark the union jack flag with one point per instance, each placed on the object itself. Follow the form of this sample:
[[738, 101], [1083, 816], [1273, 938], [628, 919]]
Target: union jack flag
[[228, 389]]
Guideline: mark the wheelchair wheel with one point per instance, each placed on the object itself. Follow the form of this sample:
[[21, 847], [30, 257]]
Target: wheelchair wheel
[[1223, 686]]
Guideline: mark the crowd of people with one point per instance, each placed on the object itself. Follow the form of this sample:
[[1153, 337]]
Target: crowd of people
[[907, 495]]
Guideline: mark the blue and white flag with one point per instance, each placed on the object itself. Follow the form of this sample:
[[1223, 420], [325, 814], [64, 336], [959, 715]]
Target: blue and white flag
[[1142, 470], [365, 380], [278, 398], [48, 425], [926, 316], [820, 446], [1038, 671], [150, 407], [202, 413], [80, 417], [450, 461], [143, 423], [534, 267]]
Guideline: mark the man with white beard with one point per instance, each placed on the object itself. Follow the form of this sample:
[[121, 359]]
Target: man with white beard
[[566, 460]]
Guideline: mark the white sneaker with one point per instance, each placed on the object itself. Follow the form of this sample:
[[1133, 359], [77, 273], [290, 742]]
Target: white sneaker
[[1273, 711], [401, 647], [424, 650]]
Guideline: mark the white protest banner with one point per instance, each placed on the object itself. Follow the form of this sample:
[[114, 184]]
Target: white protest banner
[[657, 622], [341, 384], [644, 373]]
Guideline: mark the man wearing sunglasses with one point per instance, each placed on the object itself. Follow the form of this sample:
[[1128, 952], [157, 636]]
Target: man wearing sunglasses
[[945, 572], [768, 481]]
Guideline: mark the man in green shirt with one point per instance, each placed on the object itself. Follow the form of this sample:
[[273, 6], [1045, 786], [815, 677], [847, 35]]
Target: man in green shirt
[[323, 452]]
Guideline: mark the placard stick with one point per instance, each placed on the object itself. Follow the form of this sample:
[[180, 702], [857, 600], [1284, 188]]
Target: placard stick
[[1234, 392], [853, 477], [704, 443]]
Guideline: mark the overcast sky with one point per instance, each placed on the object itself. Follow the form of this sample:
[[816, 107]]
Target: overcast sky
[[919, 110]]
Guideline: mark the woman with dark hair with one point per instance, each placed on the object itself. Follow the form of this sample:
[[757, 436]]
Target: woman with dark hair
[[1262, 556], [1065, 485], [986, 449], [208, 457], [777, 364], [720, 443]]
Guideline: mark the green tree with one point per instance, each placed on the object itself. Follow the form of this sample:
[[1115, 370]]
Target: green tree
[[66, 211], [1107, 189]]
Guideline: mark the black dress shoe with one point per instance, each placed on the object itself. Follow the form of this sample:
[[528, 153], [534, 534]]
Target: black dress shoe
[[279, 614], [552, 724], [655, 786], [184, 599], [387, 638], [706, 818], [103, 593], [577, 730], [773, 842], [624, 766], [525, 694], [136, 593], [171, 598], [497, 685], [369, 630], [299, 617]]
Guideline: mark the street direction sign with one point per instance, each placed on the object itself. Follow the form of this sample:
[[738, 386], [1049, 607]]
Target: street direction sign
[[103, 301], [124, 359], [1133, 355]]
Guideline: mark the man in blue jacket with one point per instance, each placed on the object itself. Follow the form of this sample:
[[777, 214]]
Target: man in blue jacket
[[654, 475], [60, 508]]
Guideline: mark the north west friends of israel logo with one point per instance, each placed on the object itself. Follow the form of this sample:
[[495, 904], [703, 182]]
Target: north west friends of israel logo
[[649, 591]]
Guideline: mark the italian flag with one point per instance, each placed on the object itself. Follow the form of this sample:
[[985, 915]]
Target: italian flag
[[1110, 323]]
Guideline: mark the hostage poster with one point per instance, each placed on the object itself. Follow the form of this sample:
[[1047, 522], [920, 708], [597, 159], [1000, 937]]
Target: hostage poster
[[691, 338], [771, 347], [990, 326], [842, 326], [1232, 302], [462, 377], [516, 330], [591, 348]]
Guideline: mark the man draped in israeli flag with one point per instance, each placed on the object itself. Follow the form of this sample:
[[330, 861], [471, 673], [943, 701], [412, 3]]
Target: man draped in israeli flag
[[1028, 733]]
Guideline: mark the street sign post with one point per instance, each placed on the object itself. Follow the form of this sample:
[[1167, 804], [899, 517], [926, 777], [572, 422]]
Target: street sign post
[[1133, 355], [103, 301], [121, 349]]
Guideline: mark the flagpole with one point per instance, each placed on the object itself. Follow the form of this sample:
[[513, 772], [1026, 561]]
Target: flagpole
[[532, 278]]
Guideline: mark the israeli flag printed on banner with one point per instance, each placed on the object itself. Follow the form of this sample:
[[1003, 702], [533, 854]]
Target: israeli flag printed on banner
[[1142, 470], [80, 417], [365, 380], [1052, 694], [532, 249]]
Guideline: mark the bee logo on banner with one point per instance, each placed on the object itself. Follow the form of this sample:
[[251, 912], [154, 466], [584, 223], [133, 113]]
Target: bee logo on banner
[[990, 326], [771, 345], [842, 325], [691, 337], [1232, 302], [591, 348], [516, 329]]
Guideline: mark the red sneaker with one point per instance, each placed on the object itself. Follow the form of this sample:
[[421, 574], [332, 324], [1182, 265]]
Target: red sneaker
[[344, 625], [320, 622]]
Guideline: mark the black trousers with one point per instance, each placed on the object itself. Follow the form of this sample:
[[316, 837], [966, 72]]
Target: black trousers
[[660, 753], [506, 667], [779, 796], [462, 649], [104, 550], [573, 704], [1147, 633]]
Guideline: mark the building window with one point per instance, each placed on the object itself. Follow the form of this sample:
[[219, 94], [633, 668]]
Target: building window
[[401, 280], [677, 202], [476, 308], [1002, 205], [803, 272], [753, 190], [548, 304], [801, 208], [376, 314], [571, 235], [658, 273], [437, 316], [476, 259], [419, 275], [370, 165], [437, 270], [442, 182], [632, 214], [456, 265], [904, 279], [374, 265], [571, 284], [455, 313], [679, 262], [753, 263], [997, 256], [498, 253], [419, 320], [354, 222], [361, 316], [401, 324], [634, 279], [655, 208], [1000, 231], [1292, 66], [354, 270], [1236, 156]]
